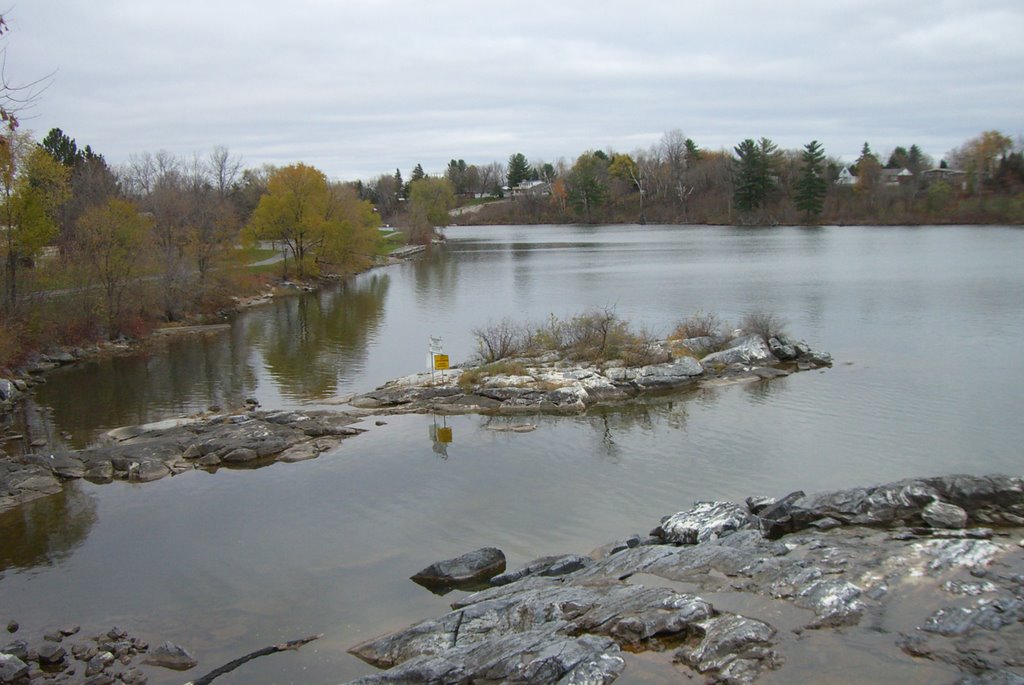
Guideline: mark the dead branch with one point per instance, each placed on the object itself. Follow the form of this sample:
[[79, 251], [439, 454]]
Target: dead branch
[[232, 665]]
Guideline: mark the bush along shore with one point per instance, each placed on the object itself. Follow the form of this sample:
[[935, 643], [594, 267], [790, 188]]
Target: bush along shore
[[926, 575], [595, 358]]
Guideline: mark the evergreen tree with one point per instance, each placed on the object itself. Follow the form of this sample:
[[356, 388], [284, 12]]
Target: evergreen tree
[[518, 170], [748, 187], [399, 183], [768, 161], [457, 174], [693, 153], [812, 186]]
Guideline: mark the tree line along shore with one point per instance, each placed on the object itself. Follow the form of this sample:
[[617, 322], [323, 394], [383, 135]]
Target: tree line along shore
[[91, 252]]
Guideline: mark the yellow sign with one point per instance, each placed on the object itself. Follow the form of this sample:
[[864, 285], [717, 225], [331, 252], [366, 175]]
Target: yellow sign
[[444, 434], [440, 362]]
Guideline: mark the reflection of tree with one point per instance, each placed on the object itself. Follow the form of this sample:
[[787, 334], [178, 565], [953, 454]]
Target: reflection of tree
[[436, 278], [45, 530], [180, 375], [310, 341]]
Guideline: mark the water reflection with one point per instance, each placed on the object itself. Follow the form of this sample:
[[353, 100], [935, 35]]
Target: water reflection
[[312, 343], [45, 531]]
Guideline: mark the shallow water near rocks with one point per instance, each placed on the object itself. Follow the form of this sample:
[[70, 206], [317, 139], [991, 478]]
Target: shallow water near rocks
[[924, 325]]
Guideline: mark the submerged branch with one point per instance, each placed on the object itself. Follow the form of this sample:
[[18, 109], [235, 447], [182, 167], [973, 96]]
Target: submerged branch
[[232, 665]]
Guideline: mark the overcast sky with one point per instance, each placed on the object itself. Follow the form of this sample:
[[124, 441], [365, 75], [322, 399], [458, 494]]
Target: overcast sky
[[361, 87]]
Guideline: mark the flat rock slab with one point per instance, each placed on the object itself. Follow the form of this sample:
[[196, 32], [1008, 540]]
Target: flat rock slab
[[157, 450]]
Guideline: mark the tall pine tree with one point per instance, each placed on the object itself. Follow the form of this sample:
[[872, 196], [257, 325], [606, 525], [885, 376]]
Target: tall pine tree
[[811, 186], [518, 170]]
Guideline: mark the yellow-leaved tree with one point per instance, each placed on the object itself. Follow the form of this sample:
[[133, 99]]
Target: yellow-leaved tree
[[33, 186], [323, 227]]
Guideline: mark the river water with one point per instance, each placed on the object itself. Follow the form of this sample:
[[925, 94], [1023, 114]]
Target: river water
[[924, 324]]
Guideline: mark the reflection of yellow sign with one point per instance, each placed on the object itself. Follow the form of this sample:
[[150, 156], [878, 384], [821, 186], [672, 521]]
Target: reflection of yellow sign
[[440, 362], [444, 434]]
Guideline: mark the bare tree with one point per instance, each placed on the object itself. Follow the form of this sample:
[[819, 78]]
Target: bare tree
[[224, 169]]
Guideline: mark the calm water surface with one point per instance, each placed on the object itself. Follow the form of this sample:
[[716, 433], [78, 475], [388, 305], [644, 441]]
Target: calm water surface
[[924, 325]]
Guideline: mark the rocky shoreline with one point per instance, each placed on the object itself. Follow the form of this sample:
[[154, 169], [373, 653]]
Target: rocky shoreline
[[154, 451], [63, 655], [926, 573]]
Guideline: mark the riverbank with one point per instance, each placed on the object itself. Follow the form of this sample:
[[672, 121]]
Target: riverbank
[[16, 383], [925, 575]]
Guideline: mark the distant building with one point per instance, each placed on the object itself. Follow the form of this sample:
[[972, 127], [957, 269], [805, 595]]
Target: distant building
[[846, 177], [897, 177], [529, 188]]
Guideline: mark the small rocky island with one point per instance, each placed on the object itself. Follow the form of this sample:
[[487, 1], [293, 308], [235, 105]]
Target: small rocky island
[[914, 581], [549, 381], [560, 379]]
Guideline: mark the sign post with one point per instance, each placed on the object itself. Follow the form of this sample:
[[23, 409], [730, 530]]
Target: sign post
[[435, 351]]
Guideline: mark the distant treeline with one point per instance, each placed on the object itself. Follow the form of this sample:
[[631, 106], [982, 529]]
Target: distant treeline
[[675, 181]]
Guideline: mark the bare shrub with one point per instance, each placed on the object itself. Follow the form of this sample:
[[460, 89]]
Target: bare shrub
[[595, 335], [643, 348], [764, 324], [699, 325], [550, 335], [500, 340]]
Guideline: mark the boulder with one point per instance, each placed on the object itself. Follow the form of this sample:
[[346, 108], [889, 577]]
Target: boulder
[[7, 390], [944, 515], [50, 653], [782, 348], [731, 643], [12, 668], [475, 567], [705, 521], [170, 655], [747, 351]]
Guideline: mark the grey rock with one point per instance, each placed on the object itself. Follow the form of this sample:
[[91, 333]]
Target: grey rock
[[846, 555], [12, 668], [98, 663], [558, 565], [7, 390], [665, 376], [782, 349], [50, 653], [749, 350], [61, 465], [149, 470], [240, 455], [535, 657], [21, 483], [12, 626], [170, 655], [985, 615], [730, 639], [18, 648], [99, 472], [478, 566], [705, 521], [943, 515], [208, 460], [701, 344]]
